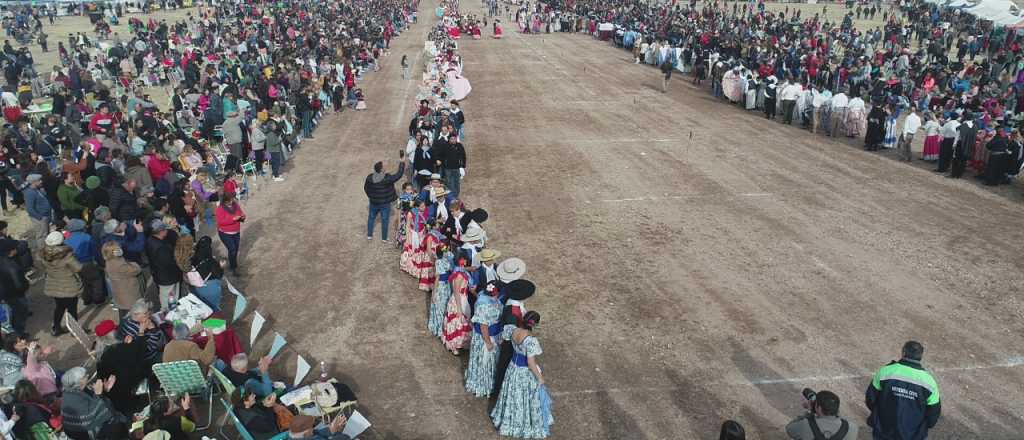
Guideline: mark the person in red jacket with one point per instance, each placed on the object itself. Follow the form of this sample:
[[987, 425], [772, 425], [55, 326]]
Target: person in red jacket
[[157, 166], [101, 121], [230, 216]]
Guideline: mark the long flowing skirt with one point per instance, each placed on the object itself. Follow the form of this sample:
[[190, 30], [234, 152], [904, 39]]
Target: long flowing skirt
[[438, 306], [931, 147], [456, 323], [855, 123], [480, 372], [518, 411], [890, 133], [400, 235], [751, 96]]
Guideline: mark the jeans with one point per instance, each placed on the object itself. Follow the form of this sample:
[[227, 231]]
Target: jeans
[[452, 180], [307, 124], [231, 243], [62, 304], [384, 209], [275, 164], [19, 313]]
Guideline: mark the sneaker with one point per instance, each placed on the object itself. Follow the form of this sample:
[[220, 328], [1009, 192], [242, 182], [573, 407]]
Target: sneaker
[[279, 179], [384, 240], [369, 237]]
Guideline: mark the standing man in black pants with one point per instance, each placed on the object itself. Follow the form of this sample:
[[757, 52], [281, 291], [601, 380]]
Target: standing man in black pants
[[949, 131], [964, 146], [512, 314]]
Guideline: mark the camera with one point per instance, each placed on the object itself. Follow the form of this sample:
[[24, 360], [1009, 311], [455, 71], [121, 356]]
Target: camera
[[811, 397]]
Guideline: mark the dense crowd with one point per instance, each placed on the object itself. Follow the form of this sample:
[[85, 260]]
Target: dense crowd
[[955, 77], [477, 304], [125, 197]]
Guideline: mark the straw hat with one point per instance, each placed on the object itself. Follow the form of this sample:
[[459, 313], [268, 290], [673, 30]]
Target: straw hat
[[511, 269], [474, 234], [489, 255]]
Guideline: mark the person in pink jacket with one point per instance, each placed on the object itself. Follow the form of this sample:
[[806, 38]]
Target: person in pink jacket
[[230, 216]]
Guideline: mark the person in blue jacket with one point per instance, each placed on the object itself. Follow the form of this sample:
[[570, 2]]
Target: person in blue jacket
[[903, 398]]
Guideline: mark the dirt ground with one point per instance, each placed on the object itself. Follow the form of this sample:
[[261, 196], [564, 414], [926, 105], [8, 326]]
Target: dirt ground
[[695, 262]]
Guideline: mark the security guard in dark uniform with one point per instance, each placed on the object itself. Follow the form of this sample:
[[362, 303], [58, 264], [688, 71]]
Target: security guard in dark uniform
[[903, 398]]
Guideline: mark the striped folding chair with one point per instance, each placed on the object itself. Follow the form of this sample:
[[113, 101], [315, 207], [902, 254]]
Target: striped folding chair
[[177, 378]]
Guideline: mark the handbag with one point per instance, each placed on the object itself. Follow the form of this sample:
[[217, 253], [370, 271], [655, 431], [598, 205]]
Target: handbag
[[194, 279]]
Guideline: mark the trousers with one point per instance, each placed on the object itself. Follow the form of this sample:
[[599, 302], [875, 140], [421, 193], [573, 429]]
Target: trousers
[[384, 211]]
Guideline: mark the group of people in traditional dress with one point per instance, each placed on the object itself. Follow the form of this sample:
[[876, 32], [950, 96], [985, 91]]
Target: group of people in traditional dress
[[948, 68], [477, 299]]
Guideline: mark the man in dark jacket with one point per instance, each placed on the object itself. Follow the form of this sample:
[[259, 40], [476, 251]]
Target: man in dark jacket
[[123, 205], [160, 251], [903, 398], [13, 284], [380, 189], [452, 155]]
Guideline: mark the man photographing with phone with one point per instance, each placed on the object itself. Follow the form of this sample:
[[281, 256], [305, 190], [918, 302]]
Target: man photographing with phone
[[822, 421], [380, 189]]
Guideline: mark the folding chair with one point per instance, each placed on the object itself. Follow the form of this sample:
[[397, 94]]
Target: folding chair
[[243, 433], [182, 377], [86, 340], [249, 168], [225, 384]]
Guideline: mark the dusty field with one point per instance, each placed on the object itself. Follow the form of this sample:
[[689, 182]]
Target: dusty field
[[682, 281], [694, 262]]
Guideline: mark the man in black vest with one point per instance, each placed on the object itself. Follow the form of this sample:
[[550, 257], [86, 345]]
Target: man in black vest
[[964, 146], [822, 422]]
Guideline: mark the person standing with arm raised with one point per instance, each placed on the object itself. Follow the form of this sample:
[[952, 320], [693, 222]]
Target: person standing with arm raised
[[380, 190]]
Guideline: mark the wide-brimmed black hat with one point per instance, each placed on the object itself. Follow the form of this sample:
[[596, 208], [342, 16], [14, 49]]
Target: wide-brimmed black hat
[[521, 289], [478, 215]]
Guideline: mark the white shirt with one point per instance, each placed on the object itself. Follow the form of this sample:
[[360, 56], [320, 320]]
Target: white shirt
[[949, 130], [839, 100], [911, 124], [790, 92], [931, 128], [856, 104]]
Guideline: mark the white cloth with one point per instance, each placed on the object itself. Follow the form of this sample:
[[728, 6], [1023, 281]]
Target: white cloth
[[790, 92], [839, 100], [951, 129], [911, 124]]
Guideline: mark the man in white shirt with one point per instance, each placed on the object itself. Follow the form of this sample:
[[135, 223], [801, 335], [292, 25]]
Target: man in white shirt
[[839, 104], [950, 131], [910, 127], [822, 103], [790, 92]]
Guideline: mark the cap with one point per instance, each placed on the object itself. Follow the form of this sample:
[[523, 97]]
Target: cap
[[158, 225], [105, 327]]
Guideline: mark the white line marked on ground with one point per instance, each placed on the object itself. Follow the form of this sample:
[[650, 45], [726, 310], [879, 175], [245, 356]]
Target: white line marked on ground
[[680, 197], [1013, 362]]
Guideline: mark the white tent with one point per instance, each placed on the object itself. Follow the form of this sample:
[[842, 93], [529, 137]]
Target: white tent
[[1000, 12]]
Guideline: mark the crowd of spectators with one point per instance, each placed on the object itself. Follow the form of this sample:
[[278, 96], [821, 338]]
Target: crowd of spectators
[[956, 77], [125, 194]]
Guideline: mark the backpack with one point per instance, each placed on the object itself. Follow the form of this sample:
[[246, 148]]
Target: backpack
[[818, 435]]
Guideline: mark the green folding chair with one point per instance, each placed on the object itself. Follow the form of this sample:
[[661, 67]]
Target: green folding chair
[[177, 378], [225, 384]]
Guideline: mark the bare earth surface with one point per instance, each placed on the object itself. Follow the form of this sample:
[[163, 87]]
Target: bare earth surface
[[694, 262]]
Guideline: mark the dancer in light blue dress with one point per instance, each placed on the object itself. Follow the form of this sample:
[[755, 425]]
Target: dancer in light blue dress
[[483, 348], [524, 406], [442, 291]]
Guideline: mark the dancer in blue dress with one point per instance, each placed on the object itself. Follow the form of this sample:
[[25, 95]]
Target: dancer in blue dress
[[523, 408], [442, 291], [483, 347]]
